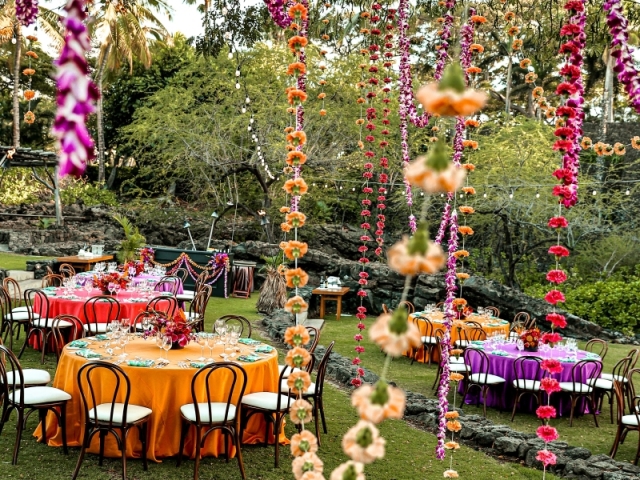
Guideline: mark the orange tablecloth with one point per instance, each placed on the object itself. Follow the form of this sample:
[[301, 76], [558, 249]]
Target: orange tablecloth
[[490, 325], [164, 391]]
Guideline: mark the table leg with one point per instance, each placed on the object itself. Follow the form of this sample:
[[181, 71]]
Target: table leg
[[322, 307], [338, 307]]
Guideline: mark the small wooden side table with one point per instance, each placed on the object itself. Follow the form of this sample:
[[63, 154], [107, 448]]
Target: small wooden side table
[[84, 264], [332, 295]]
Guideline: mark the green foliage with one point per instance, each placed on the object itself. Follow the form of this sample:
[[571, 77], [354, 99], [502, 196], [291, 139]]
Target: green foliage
[[133, 240], [74, 189], [46, 222], [17, 187]]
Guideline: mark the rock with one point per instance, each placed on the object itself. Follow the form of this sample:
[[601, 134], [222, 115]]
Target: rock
[[507, 445], [575, 453]]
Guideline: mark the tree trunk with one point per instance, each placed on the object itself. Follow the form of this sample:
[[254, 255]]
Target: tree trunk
[[99, 118], [56, 198], [607, 110], [16, 85], [507, 97]]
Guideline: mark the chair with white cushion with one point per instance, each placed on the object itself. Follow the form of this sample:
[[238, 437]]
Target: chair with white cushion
[[628, 413], [527, 377], [165, 304], [429, 340], [472, 332], [273, 406], [189, 295], [66, 328], [198, 308], [480, 376], [169, 283], [12, 320], [579, 387], [314, 335], [597, 346], [15, 294], [213, 409], [13, 383], [244, 323], [456, 364], [98, 312], [604, 386], [104, 415]]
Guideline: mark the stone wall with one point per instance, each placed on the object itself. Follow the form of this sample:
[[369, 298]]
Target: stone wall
[[477, 432]]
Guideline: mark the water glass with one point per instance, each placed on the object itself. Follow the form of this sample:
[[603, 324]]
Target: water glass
[[233, 341], [159, 342], [201, 338], [211, 342], [166, 345]]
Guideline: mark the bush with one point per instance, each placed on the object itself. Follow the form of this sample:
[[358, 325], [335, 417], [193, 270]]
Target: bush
[[18, 187], [91, 194]]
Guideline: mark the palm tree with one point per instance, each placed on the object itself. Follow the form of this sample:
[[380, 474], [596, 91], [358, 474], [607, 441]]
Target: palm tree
[[124, 32]]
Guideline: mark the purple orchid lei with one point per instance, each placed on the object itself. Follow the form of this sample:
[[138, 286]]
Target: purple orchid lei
[[443, 387], [622, 51], [26, 11], [277, 11], [76, 94], [446, 218], [571, 89]]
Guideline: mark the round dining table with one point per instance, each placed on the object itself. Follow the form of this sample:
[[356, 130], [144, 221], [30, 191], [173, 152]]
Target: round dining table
[[490, 325], [163, 390], [501, 361]]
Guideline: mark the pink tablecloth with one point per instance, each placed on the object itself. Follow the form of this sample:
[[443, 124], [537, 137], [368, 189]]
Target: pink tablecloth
[[503, 367]]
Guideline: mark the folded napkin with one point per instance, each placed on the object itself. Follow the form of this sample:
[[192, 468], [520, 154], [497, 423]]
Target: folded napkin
[[78, 344], [593, 356], [248, 358], [567, 360], [87, 353], [140, 363], [197, 364], [249, 341], [500, 353], [264, 349], [101, 336], [477, 342]]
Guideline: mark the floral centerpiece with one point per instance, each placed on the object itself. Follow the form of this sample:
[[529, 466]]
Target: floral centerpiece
[[219, 261], [102, 281], [147, 255], [461, 308], [177, 328], [133, 268], [530, 339]]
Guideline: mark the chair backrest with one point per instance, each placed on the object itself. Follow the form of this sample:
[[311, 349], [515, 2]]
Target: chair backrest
[[181, 273], [634, 354], [429, 329], [91, 378], [61, 330], [582, 371], [166, 305], [439, 305], [621, 368], [628, 404], [52, 280], [66, 270], [33, 297], [201, 280], [5, 304], [495, 311], [633, 390], [408, 305], [201, 300], [528, 368], [13, 289], [322, 369], [314, 333], [598, 346], [473, 333], [522, 317], [479, 363], [10, 363], [100, 309], [239, 319], [49, 270], [209, 380], [385, 309], [169, 283]]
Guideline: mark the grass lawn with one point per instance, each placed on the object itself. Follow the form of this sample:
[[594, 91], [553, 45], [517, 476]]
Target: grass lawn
[[410, 452], [12, 261]]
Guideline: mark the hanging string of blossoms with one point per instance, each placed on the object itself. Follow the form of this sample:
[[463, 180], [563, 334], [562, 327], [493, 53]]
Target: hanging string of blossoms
[[29, 94], [77, 94], [622, 51], [277, 11], [26, 11], [546, 432]]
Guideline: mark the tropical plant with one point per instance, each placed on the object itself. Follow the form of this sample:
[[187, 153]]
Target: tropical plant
[[133, 240], [273, 293]]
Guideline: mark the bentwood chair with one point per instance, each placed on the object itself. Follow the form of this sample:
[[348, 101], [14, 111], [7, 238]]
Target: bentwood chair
[[472, 333], [66, 270], [314, 392], [495, 311], [181, 273], [98, 312], [408, 305], [52, 280], [314, 338], [198, 307], [15, 294], [456, 363], [210, 414], [479, 376], [604, 386], [429, 340], [628, 413], [579, 388], [522, 317], [10, 318], [189, 295], [65, 328], [25, 401], [272, 406], [244, 323], [104, 414], [166, 305], [528, 374], [169, 283], [597, 346]]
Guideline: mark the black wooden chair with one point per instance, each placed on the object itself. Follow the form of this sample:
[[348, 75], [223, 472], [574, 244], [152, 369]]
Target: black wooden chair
[[579, 388], [98, 312], [527, 384]]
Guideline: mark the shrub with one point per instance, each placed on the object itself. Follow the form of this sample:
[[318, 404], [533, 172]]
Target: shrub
[[18, 187], [91, 194]]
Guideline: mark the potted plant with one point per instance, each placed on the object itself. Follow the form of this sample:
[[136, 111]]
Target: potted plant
[[273, 293], [133, 240]]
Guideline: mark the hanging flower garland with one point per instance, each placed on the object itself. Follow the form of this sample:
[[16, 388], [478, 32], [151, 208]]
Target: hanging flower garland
[[277, 11], [323, 52], [76, 94], [29, 94], [26, 11], [621, 50]]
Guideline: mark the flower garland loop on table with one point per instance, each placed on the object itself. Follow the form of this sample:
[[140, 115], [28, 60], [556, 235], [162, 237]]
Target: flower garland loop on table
[[76, 94], [26, 11], [621, 50]]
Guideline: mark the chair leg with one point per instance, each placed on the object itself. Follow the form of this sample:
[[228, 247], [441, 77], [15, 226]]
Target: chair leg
[[19, 428], [616, 442], [515, 404], [103, 434], [611, 406], [63, 427], [236, 440], [316, 419], [42, 415], [485, 390], [573, 406], [196, 468], [276, 433], [144, 432], [438, 373], [464, 395], [123, 446], [83, 449], [183, 435], [593, 408], [324, 422]]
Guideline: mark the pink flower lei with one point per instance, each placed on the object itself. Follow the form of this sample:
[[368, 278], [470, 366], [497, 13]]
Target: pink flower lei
[[622, 51], [277, 11], [76, 94], [26, 11]]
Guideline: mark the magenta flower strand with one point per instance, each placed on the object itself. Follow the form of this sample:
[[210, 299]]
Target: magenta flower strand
[[76, 95], [278, 13], [446, 217], [443, 387], [622, 51], [26, 11]]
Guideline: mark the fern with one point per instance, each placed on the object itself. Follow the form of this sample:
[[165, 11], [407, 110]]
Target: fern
[[133, 240]]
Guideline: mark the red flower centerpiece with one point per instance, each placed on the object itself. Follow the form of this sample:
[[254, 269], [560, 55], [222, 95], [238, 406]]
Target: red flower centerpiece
[[133, 268], [102, 282], [177, 328], [530, 339]]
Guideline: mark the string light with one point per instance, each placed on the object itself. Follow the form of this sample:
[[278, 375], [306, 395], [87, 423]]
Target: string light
[[627, 192], [594, 193]]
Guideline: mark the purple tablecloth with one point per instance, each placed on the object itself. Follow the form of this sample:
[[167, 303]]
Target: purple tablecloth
[[143, 277], [504, 396]]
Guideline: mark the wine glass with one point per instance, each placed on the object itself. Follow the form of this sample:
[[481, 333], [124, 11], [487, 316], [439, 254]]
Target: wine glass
[[117, 289], [111, 287], [211, 342], [202, 341], [221, 330], [159, 342], [233, 340], [124, 339], [166, 345], [146, 326], [88, 286]]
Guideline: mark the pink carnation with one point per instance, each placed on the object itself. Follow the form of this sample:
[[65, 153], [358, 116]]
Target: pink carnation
[[546, 411], [361, 326], [546, 457], [554, 296], [361, 293], [558, 222], [556, 276], [551, 365], [550, 385], [356, 382], [359, 349], [558, 320], [551, 338], [547, 433], [357, 337], [559, 251]]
